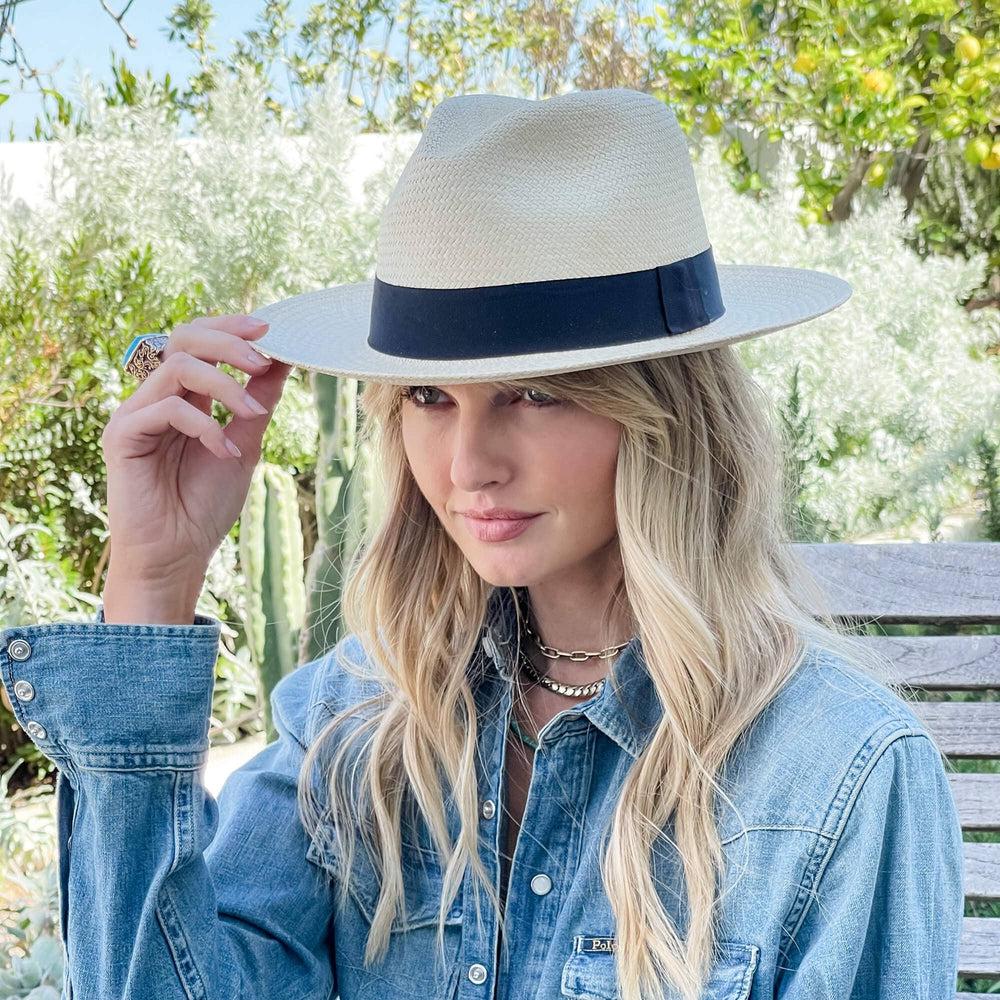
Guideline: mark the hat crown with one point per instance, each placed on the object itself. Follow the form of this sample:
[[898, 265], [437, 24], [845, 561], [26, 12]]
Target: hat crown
[[502, 190]]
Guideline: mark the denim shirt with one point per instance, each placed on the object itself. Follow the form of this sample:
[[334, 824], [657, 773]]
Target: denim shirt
[[844, 840]]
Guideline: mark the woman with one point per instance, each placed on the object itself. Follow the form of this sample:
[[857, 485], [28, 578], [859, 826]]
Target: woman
[[589, 733]]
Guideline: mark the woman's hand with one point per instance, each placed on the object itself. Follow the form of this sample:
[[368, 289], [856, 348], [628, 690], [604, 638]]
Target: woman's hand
[[174, 488]]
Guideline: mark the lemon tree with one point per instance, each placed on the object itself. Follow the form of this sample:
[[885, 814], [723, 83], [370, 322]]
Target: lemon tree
[[879, 84]]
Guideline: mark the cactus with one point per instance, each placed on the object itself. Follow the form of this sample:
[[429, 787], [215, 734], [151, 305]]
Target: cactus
[[291, 620], [342, 503], [271, 555]]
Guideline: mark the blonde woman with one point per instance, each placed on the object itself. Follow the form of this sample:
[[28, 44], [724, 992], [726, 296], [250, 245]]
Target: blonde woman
[[590, 733]]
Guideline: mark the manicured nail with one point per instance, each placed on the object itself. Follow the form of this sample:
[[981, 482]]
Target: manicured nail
[[255, 357], [233, 450], [254, 405]]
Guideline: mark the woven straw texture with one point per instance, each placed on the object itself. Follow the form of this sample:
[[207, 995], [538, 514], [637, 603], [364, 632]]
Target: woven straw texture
[[502, 190]]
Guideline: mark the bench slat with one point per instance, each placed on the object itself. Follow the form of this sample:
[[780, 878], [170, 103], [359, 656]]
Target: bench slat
[[962, 728], [977, 799], [942, 662], [941, 583], [979, 948], [982, 871]]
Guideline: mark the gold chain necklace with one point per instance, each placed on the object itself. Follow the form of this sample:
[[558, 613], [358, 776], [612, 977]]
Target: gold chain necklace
[[570, 690]]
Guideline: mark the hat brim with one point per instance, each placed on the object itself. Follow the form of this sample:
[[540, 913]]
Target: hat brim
[[326, 330]]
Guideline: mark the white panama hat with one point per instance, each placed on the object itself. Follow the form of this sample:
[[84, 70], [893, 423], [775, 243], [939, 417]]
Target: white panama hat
[[529, 237]]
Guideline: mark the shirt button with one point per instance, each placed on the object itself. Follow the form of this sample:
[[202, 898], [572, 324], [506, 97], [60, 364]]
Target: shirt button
[[24, 690], [477, 973], [541, 884], [489, 809], [18, 649], [35, 730]]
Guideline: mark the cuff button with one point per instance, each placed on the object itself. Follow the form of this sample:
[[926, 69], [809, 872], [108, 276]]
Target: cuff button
[[35, 730], [24, 690], [18, 649]]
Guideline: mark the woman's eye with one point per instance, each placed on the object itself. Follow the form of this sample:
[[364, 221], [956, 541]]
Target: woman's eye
[[546, 400], [423, 395], [417, 395]]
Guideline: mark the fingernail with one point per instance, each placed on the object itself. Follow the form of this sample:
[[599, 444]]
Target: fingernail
[[233, 450], [254, 405], [257, 358], [257, 323]]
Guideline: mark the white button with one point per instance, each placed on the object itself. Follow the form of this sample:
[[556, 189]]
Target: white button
[[24, 690], [541, 884], [18, 649], [477, 973], [489, 809], [35, 730]]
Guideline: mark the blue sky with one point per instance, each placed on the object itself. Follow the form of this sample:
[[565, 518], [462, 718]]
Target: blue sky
[[81, 34]]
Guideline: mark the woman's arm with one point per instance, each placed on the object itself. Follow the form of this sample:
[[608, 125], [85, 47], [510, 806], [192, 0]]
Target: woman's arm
[[885, 915], [164, 892]]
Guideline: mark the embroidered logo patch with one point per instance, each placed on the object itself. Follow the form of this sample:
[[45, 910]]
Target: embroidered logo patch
[[586, 942]]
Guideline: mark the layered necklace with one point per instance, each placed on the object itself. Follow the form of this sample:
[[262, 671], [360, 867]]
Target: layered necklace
[[570, 690]]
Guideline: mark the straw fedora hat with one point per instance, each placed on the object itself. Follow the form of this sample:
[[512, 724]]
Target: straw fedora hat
[[529, 237]]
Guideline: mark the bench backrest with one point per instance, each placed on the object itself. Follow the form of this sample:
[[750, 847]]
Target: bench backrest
[[944, 585]]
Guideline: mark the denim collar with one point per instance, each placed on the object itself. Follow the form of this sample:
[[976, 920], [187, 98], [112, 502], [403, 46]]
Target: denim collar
[[627, 716]]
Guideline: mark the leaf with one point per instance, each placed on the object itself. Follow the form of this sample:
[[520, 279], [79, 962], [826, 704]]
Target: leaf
[[48, 952], [43, 992]]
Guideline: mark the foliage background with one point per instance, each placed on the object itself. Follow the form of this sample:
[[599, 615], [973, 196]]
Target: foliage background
[[851, 138]]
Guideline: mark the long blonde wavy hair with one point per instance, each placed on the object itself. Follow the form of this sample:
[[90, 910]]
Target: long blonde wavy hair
[[723, 612]]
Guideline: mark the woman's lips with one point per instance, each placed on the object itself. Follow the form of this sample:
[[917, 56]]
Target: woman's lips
[[497, 529]]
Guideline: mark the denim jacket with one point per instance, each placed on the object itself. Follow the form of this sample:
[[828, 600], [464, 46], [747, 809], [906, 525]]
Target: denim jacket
[[844, 840]]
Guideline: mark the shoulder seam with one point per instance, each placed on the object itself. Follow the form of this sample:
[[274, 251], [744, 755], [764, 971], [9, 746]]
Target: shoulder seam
[[874, 687], [838, 814]]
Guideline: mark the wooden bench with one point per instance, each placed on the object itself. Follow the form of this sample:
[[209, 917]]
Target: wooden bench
[[943, 585]]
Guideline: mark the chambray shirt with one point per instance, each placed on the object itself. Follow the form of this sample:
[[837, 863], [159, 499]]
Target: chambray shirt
[[844, 849]]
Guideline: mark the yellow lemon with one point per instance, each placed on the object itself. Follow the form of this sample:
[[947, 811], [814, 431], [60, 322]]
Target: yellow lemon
[[977, 149], [876, 174], [968, 48], [992, 162], [877, 81], [804, 63]]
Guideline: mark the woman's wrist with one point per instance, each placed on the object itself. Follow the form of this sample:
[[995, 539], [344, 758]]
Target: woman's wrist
[[128, 601]]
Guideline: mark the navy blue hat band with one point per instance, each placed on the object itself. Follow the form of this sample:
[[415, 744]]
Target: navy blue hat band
[[540, 316]]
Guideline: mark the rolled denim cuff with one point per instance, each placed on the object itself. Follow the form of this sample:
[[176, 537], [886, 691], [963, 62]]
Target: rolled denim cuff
[[121, 696]]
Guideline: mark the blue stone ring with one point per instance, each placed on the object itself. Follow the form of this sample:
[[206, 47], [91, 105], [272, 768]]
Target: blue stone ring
[[144, 354]]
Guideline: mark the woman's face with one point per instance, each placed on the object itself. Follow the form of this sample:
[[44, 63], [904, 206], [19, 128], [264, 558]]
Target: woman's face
[[472, 446]]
